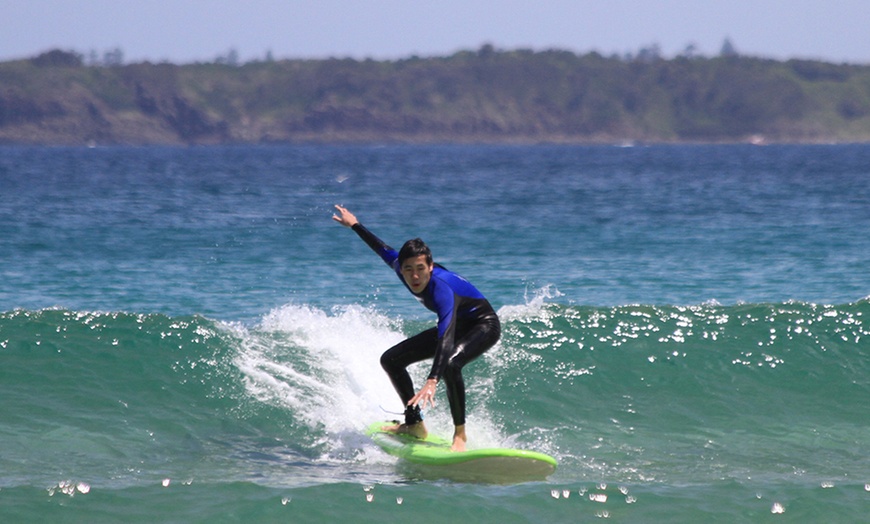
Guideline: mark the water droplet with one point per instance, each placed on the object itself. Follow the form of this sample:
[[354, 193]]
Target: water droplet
[[67, 488], [399, 500], [166, 483], [83, 487], [777, 508], [370, 497], [285, 500], [555, 493], [565, 493]]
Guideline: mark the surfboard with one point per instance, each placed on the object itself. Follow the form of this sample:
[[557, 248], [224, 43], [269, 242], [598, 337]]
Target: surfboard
[[487, 464]]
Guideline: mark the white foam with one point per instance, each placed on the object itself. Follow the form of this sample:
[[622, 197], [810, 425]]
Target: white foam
[[324, 369], [535, 303]]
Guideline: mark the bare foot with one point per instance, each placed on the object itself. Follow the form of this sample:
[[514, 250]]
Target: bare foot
[[417, 430], [459, 439]]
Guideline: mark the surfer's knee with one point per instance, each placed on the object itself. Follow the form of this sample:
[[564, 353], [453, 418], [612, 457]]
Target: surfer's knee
[[453, 372], [386, 362]]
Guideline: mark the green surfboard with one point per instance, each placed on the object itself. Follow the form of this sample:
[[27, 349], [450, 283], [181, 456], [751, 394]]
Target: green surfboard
[[486, 465]]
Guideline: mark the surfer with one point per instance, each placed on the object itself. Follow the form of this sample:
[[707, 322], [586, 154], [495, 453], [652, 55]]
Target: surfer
[[467, 327]]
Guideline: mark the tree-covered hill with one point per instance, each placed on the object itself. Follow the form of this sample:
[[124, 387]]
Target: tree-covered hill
[[480, 96]]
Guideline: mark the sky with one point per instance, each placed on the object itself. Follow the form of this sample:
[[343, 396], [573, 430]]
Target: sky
[[185, 31]]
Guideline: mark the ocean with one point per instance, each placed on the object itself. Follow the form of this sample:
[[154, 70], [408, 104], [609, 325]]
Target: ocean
[[187, 336]]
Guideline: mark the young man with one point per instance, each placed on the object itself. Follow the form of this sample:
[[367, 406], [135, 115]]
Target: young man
[[467, 326]]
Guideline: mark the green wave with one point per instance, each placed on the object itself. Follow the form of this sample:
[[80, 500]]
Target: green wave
[[635, 391]]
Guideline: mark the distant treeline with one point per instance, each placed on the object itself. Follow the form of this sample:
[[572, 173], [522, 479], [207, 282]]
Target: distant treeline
[[486, 95]]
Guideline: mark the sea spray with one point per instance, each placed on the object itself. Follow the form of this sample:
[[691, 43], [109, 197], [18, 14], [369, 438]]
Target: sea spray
[[324, 369]]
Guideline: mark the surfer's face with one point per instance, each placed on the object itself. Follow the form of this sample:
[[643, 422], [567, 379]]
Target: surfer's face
[[417, 272]]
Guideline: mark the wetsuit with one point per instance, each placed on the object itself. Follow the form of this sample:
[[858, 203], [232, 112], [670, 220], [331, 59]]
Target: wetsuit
[[467, 327]]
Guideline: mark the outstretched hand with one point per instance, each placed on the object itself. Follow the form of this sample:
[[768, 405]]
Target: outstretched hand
[[426, 395], [345, 217]]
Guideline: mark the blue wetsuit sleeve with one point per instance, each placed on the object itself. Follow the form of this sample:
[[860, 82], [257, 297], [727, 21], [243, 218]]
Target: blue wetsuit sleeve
[[387, 254]]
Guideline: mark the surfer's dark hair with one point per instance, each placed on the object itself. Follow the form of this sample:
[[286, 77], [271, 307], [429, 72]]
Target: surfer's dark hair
[[414, 248]]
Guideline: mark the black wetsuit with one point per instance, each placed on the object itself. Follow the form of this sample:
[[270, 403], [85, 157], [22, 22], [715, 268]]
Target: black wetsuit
[[467, 327]]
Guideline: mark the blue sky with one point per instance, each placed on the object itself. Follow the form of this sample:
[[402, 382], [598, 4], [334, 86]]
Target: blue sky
[[183, 31]]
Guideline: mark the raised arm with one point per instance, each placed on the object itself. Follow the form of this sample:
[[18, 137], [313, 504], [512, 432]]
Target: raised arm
[[345, 217]]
